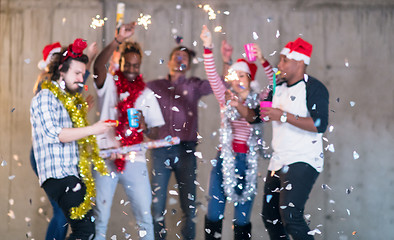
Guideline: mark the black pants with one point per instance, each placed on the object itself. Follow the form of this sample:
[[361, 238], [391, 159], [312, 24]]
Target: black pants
[[285, 195], [65, 193]]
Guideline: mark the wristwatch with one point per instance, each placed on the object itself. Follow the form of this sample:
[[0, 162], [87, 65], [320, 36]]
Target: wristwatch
[[283, 118]]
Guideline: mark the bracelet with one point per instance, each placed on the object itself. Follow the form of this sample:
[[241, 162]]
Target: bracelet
[[116, 40]]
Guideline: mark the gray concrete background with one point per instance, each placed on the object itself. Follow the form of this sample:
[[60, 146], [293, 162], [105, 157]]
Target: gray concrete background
[[352, 56]]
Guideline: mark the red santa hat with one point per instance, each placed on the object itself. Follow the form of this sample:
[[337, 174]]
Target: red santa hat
[[47, 53], [245, 66], [299, 50]]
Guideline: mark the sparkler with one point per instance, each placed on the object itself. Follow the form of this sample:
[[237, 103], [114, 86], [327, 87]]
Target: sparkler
[[144, 20]]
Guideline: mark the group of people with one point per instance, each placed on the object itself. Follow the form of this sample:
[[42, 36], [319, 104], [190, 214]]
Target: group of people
[[81, 185]]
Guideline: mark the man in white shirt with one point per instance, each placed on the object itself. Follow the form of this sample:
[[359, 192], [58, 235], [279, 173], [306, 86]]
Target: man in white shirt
[[117, 93]]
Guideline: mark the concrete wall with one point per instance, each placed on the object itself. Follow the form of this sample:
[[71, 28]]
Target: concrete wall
[[352, 56]]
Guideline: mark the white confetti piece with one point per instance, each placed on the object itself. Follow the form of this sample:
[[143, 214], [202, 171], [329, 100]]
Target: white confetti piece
[[198, 154], [142, 233], [355, 155], [332, 201], [269, 19], [148, 52], [178, 6], [179, 222], [291, 204], [173, 192], [273, 53], [289, 187], [313, 232], [330, 148], [214, 162], [27, 60], [161, 61], [113, 237], [11, 177], [275, 221], [331, 128], [255, 36], [226, 13], [175, 109], [325, 186], [348, 212], [176, 159], [352, 103], [11, 201], [3, 163], [11, 214], [202, 104], [77, 187], [195, 43], [347, 63], [277, 34], [307, 216]]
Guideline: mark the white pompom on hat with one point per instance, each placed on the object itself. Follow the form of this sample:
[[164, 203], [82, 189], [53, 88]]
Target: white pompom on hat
[[299, 50], [47, 53]]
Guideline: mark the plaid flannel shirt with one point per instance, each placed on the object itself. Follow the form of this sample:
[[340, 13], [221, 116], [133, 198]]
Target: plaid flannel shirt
[[54, 158]]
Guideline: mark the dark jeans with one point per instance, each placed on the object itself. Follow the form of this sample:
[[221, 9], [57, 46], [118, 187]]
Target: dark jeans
[[283, 204], [57, 228], [61, 191], [181, 160]]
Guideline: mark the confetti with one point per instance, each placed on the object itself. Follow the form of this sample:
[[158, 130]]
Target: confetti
[[255, 36], [178, 39], [330, 148], [292, 98], [144, 20], [113, 237], [176, 159], [198, 154], [355, 155], [352, 103], [13, 109], [64, 20], [214, 162], [173, 192], [269, 19], [178, 6], [174, 31], [148, 52], [142, 233], [167, 162], [313, 232], [11, 201], [317, 122], [3, 163], [277, 34], [289, 187], [325, 186], [226, 13], [11, 214], [161, 61], [331, 128], [347, 63], [27, 60], [273, 53], [202, 104], [268, 198], [175, 109], [348, 212], [195, 43], [11, 177], [179, 222]]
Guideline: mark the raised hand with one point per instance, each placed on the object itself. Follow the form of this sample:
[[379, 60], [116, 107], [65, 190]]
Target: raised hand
[[206, 37], [125, 31], [227, 51]]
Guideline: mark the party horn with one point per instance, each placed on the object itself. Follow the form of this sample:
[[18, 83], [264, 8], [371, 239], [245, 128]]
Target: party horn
[[112, 121]]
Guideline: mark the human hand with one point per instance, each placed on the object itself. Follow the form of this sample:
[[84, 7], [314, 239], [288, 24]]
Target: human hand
[[231, 98], [258, 53], [92, 51], [141, 121], [125, 31], [269, 114], [226, 50], [206, 37], [101, 127]]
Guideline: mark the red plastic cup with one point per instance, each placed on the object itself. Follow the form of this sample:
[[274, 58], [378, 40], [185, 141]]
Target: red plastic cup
[[249, 50], [264, 104]]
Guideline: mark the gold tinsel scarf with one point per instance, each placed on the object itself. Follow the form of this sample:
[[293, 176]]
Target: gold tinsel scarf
[[88, 149]]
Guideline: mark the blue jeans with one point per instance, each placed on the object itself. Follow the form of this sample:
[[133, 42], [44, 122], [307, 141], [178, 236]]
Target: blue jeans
[[291, 222], [135, 181], [181, 160], [217, 202], [57, 228]]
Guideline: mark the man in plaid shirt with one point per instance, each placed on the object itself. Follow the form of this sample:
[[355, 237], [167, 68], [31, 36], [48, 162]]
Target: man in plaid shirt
[[55, 140]]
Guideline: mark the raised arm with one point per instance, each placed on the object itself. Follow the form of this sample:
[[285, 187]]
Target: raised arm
[[267, 69], [216, 82], [227, 50], [125, 31]]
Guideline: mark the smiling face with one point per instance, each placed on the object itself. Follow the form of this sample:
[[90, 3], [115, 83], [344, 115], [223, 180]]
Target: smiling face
[[74, 76], [242, 84], [130, 65]]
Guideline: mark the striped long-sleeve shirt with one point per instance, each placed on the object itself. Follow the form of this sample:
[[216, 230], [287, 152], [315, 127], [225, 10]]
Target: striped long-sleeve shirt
[[240, 127]]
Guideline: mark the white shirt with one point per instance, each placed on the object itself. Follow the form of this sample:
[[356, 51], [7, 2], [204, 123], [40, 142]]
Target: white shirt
[[107, 102]]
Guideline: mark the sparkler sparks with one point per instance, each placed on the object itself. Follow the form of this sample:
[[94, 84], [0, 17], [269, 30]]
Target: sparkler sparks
[[144, 20], [231, 76], [97, 22], [209, 10]]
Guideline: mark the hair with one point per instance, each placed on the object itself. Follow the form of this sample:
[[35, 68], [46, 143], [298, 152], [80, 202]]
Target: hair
[[57, 61], [189, 52], [129, 47]]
